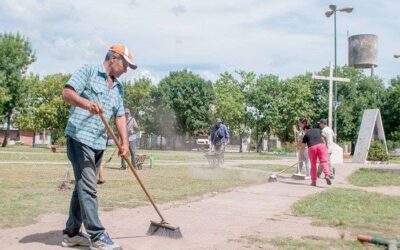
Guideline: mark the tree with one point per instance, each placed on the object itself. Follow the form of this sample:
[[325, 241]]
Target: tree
[[363, 92], [137, 95], [391, 110], [15, 56], [190, 97], [159, 117], [4, 97], [44, 107], [262, 105], [229, 102]]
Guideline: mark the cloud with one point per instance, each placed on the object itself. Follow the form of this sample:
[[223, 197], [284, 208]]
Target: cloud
[[209, 37]]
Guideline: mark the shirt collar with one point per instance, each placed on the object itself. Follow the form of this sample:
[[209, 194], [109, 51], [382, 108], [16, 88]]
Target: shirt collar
[[102, 72]]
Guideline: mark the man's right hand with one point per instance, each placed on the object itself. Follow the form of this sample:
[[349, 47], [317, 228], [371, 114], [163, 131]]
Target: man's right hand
[[95, 108]]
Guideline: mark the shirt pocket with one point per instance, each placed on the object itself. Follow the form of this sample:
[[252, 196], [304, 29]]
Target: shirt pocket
[[95, 92]]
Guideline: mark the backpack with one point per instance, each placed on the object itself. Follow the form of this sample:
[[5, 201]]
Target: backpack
[[219, 134]]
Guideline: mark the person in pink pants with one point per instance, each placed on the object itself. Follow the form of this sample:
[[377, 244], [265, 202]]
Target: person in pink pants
[[316, 150]]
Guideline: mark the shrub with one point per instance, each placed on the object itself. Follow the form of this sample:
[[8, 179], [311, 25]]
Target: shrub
[[377, 152], [61, 141], [392, 145]]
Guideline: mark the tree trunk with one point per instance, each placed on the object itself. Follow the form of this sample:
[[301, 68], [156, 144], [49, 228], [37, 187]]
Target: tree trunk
[[257, 137], [34, 139], [174, 142], [5, 141], [241, 143], [161, 147]]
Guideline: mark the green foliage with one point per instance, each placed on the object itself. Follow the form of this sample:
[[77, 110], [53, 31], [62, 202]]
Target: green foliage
[[279, 103], [377, 152], [160, 117], [190, 97], [137, 95], [392, 145], [15, 56], [43, 107], [363, 92], [391, 110], [4, 97], [61, 141], [229, 102]]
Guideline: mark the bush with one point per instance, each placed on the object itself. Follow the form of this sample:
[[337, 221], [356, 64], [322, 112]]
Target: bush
[[290, 146], [377, 152], [392, 145], [61, 141], [278, 150], [395, 136]]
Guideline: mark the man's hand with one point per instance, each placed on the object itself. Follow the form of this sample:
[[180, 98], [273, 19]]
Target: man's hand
[[95, 108], [125, 153]]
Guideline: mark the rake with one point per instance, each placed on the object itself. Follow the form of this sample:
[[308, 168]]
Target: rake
[[162, 228]]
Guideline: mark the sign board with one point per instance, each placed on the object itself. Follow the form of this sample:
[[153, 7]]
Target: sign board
[[337, 154], [371, 129]]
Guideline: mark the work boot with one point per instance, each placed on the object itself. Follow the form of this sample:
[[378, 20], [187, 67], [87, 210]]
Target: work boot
[[104, 243]]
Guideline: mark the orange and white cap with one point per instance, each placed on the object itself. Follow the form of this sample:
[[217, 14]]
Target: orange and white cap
[[123, 51]]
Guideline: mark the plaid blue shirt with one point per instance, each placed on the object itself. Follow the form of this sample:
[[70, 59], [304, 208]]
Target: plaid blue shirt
[[90, 82]]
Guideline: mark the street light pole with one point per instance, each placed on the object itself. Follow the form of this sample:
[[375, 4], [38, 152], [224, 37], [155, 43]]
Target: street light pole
[[333, 10], [334, 75]]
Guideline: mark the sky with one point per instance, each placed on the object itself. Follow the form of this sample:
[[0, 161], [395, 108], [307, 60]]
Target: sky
[[208, 37]]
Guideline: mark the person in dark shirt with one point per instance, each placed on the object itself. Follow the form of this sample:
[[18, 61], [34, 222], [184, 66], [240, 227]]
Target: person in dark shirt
[[316, 150]]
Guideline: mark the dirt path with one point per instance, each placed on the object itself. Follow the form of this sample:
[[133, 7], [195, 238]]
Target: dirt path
[[214, 222]]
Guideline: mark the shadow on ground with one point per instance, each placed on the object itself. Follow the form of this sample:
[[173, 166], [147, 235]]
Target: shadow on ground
[[300, 184], [52, 238]]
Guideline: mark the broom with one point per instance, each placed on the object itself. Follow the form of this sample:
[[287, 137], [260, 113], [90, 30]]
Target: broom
[[162, 228], [274, 177]]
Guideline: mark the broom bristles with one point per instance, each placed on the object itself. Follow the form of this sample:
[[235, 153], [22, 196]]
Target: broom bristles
[[165, 230]]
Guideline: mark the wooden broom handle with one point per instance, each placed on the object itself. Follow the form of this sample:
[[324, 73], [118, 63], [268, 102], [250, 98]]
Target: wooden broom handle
[[132, 168]]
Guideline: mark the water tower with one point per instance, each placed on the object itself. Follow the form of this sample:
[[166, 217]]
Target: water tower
[[363, 51]]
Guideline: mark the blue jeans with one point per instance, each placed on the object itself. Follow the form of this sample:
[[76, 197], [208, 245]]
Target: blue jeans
[[132, 149], [84, 206]]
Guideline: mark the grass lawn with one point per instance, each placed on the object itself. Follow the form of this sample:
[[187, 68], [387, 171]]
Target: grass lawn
[[358, 211], [27, 153], [394, 159], [27, 191], [305, 243], [375, 177]]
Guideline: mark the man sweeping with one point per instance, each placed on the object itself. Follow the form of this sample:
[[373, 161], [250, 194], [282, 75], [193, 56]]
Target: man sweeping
[[93, 89]]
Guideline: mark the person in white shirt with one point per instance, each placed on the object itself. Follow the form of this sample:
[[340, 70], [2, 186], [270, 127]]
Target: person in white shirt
[[329, 137], [133, 129]]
